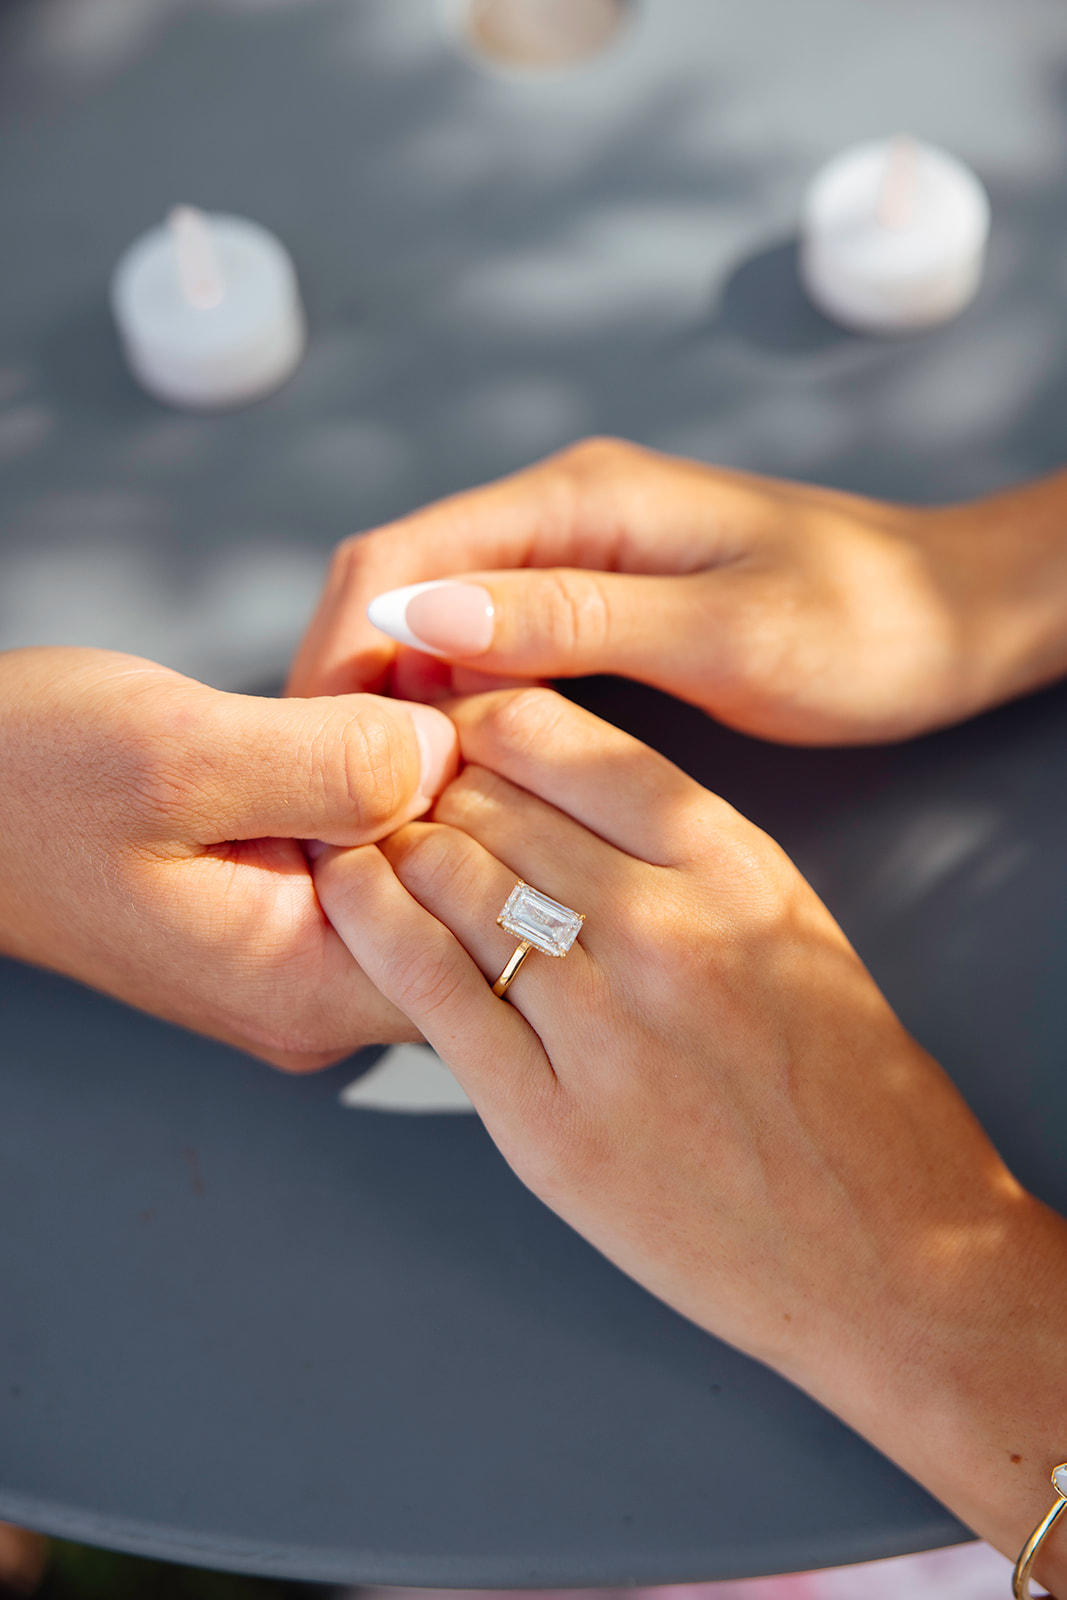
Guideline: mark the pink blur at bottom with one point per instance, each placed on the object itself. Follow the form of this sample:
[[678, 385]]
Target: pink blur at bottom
[[962, 1572]]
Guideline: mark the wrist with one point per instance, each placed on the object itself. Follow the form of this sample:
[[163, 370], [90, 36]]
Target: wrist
[[954, 1369], [1001, 563]]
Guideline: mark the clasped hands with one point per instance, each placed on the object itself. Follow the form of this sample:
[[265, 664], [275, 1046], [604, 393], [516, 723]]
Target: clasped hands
[[710, 1086]]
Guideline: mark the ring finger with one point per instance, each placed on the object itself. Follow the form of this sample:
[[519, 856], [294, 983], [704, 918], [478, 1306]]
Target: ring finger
[[465, 887]]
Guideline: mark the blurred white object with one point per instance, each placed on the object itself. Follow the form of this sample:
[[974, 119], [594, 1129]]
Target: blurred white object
[[893, 236], [208, 311], [541, 33], [408, 1077]]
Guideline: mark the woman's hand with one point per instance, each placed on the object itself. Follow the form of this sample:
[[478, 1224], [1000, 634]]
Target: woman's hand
[[150, 843], [795, 613], [711, 1088]]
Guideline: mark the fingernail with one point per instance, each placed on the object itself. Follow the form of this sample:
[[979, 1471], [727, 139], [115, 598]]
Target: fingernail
[[443, 616], [438, 749]]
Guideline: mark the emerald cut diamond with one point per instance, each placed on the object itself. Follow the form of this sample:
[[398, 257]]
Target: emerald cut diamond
[[537, 920]]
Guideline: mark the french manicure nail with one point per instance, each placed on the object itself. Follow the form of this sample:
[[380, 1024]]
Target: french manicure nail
[[443, 617], [438, 749]]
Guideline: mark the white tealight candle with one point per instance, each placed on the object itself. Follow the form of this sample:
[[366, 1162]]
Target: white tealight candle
[[893, 236], [208, 310]]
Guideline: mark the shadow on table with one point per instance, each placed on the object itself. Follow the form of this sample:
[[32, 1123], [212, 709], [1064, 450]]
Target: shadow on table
[[763, 304], [82, 1572]]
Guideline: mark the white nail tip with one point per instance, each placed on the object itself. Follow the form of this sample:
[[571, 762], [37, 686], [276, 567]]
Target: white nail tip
[[388, 612]]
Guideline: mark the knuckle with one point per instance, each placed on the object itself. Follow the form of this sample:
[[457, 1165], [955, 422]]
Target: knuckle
[[427, 983], [755, 649], [362, 772], [430, 859], [577, 615], [758, 878], [658, 955], [694, 942], [349, 553], [598, 454], [355, 563], [676, 969], [470, 794], [524, 721]]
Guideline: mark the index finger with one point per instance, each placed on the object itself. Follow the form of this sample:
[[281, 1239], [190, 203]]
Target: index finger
[[604, 504], [515, 522]]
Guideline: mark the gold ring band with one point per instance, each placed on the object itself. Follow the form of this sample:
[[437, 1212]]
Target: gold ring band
[[1020, 1578], [519, 956]]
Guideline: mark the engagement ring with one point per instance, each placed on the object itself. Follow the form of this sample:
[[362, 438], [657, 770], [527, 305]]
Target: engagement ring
[[539, 924]]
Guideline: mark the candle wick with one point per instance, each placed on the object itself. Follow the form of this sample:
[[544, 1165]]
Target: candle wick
[[199, 275], [896, 194]]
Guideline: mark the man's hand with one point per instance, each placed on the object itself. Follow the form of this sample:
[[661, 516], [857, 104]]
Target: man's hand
[[151, 843], [795, 613]]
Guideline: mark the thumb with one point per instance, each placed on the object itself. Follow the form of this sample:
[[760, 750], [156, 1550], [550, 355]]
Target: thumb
[[557, 623], [346, 769]]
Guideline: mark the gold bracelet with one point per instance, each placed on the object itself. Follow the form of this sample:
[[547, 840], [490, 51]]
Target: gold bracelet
[[1020, 1578]]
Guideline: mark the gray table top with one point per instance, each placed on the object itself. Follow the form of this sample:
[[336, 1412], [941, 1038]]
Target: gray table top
[[241, 1324]]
